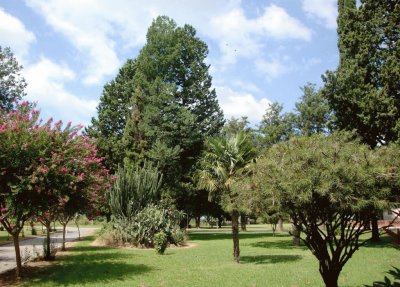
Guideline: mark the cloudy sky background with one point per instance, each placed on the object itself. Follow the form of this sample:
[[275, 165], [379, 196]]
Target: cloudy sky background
[[259, 51]]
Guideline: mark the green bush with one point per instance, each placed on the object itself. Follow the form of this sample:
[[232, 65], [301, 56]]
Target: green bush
[[154, 219], [160, 242], [178, 237]]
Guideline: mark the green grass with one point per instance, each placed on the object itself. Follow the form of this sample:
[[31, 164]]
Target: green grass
[[265, 261]]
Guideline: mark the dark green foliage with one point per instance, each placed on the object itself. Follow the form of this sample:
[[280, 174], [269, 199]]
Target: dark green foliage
[[160, 108], [364, 91], [174, 107], [113, 111], [12, 84], [160, 242], [313, 112], [275, 126]]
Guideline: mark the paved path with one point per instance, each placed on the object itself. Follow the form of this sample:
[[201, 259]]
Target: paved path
[[32, 248], [210, 230]]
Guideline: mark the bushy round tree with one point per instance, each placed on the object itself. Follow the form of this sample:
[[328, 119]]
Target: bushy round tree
[[328, 186]]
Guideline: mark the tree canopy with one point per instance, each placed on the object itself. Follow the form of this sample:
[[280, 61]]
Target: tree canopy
[[364, 91], [328, 186], [12, 84]]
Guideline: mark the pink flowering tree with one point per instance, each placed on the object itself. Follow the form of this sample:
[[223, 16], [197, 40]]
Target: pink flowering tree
[[22, 140], [74, 179], [46, 171]]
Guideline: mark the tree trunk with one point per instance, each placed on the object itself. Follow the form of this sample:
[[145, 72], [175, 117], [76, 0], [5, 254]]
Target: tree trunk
[[64, 230], [47, 256], [197, 219], [220, 219], [79, 231], [296, 236], [243, 221], [17, 255], [280, 225], [375, 229], [235, 235], [330, 277]]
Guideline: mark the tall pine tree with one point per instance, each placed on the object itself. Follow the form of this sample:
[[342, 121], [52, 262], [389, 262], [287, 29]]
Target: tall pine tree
[[364, 91], [113, 111]]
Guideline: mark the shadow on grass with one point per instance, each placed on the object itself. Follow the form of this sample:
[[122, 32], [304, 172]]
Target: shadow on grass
[[88, 265], [269, 259], [392, 281], [224, 236], [278, 244], [385, 242]]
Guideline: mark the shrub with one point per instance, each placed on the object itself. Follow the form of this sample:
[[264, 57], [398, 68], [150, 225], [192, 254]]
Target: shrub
[[160, 242], [154, 219], [178, 237]]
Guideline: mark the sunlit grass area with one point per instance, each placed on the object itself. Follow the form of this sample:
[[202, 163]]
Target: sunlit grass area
[[266, 260]]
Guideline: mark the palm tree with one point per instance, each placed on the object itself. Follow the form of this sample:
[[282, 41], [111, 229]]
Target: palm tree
[[226, 160]]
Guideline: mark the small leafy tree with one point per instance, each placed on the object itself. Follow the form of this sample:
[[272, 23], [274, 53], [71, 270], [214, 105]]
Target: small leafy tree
[[12, 84], [275, 126], [225, 162], [22, 139], [327, 185]]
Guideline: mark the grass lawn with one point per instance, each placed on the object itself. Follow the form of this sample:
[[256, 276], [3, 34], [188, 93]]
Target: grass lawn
[[265, 261]]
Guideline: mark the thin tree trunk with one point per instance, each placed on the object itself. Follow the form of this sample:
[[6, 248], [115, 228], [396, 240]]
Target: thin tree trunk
[[220, 219], [64, 230], [296, 236], [375, 229], [243, 221], [235, 235], [197, 219], [48, 251], [17, 255], [79, 231], [280, 225]]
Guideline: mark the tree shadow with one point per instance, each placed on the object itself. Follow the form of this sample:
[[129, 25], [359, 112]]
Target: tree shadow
[[269, 259], [223, 236], [88, 265], [388, 282], [278, 244], [385, 242]]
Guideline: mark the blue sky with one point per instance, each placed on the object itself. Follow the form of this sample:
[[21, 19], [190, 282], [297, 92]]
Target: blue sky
[[259, 51]]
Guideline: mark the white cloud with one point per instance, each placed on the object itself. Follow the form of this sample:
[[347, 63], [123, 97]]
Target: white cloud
[[239, 36], [85, 27], [246, 86], [46, 81], [99, 28], [324, 11], [279, 24], [15, 35], [238, 104], [272, 68]]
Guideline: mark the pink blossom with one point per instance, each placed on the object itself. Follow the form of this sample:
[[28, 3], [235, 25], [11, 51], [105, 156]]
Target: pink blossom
[[3, 210], [64, 170]]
